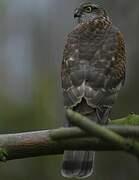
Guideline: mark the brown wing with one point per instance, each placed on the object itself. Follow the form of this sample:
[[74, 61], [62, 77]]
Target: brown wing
[[93, 66]]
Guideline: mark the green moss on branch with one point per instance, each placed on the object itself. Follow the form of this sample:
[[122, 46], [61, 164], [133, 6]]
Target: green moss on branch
[[131, 119]]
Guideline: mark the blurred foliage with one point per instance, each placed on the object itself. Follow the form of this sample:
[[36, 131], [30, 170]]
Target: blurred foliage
[[37, 114]]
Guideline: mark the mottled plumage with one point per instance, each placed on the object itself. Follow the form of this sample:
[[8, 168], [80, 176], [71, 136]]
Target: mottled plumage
[[93, 71]]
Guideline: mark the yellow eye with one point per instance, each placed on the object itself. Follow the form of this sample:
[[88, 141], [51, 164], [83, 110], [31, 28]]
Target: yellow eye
[[88, 9]]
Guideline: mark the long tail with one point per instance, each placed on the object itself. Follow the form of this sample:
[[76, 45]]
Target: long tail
[[78, 164]]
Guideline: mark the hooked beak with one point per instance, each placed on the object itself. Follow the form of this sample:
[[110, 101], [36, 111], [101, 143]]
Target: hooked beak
[[77, 13]]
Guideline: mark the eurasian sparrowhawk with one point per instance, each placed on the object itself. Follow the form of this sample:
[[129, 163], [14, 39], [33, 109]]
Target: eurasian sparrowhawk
[[93, 71]]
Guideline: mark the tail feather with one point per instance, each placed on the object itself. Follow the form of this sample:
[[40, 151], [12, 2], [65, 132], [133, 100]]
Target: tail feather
[[78, 164]]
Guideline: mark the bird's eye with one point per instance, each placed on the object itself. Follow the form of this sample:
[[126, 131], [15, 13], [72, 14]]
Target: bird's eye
[[88, 9]]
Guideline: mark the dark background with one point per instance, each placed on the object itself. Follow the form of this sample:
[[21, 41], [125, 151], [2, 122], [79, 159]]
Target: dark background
[[32, 36]]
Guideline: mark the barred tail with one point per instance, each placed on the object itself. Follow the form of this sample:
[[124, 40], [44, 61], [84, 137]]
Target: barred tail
[[78, 164]]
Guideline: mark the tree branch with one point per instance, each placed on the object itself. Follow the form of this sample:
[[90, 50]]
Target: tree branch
[[40, 143], [30, 144], [129, 145], [75, 132]]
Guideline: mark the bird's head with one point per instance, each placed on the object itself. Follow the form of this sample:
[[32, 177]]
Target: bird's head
[[88, 12]]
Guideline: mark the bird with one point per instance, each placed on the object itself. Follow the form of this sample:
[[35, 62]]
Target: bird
[[92, 73]]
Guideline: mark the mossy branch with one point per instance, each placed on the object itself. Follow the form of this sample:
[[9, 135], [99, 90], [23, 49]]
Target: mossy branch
[[131, 119], [92, 128], [91, 136]]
